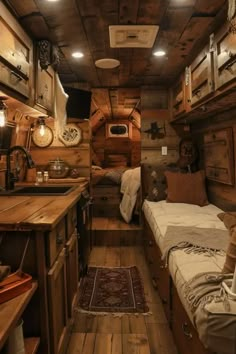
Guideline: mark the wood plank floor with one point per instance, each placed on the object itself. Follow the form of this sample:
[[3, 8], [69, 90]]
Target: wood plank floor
[[129, 334]]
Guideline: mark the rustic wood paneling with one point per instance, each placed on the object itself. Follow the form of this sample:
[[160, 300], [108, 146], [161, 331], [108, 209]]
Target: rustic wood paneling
[[222, 195]]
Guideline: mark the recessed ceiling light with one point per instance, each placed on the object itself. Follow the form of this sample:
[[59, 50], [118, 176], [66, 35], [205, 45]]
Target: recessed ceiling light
[[77, 55], [107, 63], [159, 53]]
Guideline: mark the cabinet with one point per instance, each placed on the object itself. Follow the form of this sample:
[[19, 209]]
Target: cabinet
[[184, 333], [225, 57], [52, 260], [202, 76], [45, 88], [57, 299], [16, 55], [179, 96], [159, 273], [106, 200]]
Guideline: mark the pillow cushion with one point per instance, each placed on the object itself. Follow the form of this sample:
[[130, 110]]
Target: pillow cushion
[[229, 219], [186, 188], [153, 182]]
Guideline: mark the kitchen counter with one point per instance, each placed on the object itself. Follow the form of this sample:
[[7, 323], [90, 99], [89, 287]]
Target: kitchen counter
[[36, 212]]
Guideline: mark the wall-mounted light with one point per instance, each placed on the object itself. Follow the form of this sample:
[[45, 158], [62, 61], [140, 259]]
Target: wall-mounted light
[[77, 55], [41, 123], [3, 113], [159, 53]]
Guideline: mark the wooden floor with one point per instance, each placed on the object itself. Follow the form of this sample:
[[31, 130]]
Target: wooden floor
[[128, 334]]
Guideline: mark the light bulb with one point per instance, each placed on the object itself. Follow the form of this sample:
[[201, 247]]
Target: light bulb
[[159, 53], [2, 118], [42, 130]]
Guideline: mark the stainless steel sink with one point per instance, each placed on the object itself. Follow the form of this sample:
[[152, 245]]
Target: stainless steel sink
[[40, 190]]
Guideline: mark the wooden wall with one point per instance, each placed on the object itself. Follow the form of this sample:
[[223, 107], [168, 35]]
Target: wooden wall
[[103, 147], [221, 194], [76, 157], [155, 113]]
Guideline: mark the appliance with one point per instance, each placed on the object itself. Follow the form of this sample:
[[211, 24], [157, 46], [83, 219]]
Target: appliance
[[78, 103], [132, 36], [117, 130]]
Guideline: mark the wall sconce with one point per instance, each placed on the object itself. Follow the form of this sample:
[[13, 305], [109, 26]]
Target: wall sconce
[[41, 123], [3, 114]]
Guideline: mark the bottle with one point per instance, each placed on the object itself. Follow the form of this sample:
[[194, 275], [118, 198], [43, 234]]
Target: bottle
[[45, 176], [39, 177]]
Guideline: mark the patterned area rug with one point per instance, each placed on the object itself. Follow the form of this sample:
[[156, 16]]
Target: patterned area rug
[[117, 290]]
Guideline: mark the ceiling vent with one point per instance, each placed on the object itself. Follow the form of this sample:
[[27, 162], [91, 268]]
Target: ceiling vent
[[132, 36]]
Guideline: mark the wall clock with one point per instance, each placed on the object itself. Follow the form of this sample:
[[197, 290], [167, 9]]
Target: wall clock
[[71, 135], [44, 140]]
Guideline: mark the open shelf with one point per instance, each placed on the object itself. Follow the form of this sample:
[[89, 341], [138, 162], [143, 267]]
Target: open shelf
[[11, 312]]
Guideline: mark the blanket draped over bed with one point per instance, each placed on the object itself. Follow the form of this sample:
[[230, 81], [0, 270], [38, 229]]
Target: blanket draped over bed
[[208, 301], [194, 239], [130, 184]]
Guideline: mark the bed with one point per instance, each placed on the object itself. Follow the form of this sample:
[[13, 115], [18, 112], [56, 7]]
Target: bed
[[191, 243]]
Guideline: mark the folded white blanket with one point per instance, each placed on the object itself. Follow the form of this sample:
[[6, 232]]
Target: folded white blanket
[[130, 184]]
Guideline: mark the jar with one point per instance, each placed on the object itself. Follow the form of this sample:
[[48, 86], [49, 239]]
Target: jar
[[58, 169], [45, 176], [39, 177]]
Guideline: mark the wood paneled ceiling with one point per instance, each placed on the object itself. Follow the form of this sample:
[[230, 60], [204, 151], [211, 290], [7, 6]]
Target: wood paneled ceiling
[[83, 25]]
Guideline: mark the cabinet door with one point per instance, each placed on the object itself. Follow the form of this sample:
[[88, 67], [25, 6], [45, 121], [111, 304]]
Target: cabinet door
[[225, 57], [57, 298], [185, 335], [45, 88], [55, 242], [178, 93], [16, 53], [72, 272], [163, 284], [202, 77]]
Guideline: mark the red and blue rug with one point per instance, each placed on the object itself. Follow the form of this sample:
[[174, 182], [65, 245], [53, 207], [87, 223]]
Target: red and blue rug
[[117, 290]]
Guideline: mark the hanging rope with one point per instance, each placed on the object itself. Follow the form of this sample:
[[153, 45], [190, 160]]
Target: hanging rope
[[231, 14]]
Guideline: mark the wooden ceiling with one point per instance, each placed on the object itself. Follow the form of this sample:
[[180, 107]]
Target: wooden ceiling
[[83, 25]]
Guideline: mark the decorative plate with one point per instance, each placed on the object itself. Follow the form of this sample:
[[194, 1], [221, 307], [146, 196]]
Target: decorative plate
[[71, 135]]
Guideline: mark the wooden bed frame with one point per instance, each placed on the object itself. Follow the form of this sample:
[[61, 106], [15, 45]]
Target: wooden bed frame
[[184, 333]]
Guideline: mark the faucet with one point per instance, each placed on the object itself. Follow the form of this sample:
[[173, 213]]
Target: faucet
[[9, 177]]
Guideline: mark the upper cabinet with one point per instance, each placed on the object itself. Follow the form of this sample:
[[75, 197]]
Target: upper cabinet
[[45, 88], [179, 96], [16, 55], [225, 57], [208, 85], [202, 76]]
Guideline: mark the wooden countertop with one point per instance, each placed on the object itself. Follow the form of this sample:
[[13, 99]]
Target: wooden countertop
[[36, 212]]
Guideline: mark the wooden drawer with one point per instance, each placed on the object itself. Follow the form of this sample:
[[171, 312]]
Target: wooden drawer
[[71, 221], [202, 76], [107, 196], [185, 335], [56, 240], [225, 57], [13, 80]]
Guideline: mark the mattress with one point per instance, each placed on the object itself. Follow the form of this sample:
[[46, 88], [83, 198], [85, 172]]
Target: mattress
[[184, 266]]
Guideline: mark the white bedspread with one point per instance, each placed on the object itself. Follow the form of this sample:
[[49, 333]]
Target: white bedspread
[[184, 266], [130, 184], [161, 214]]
